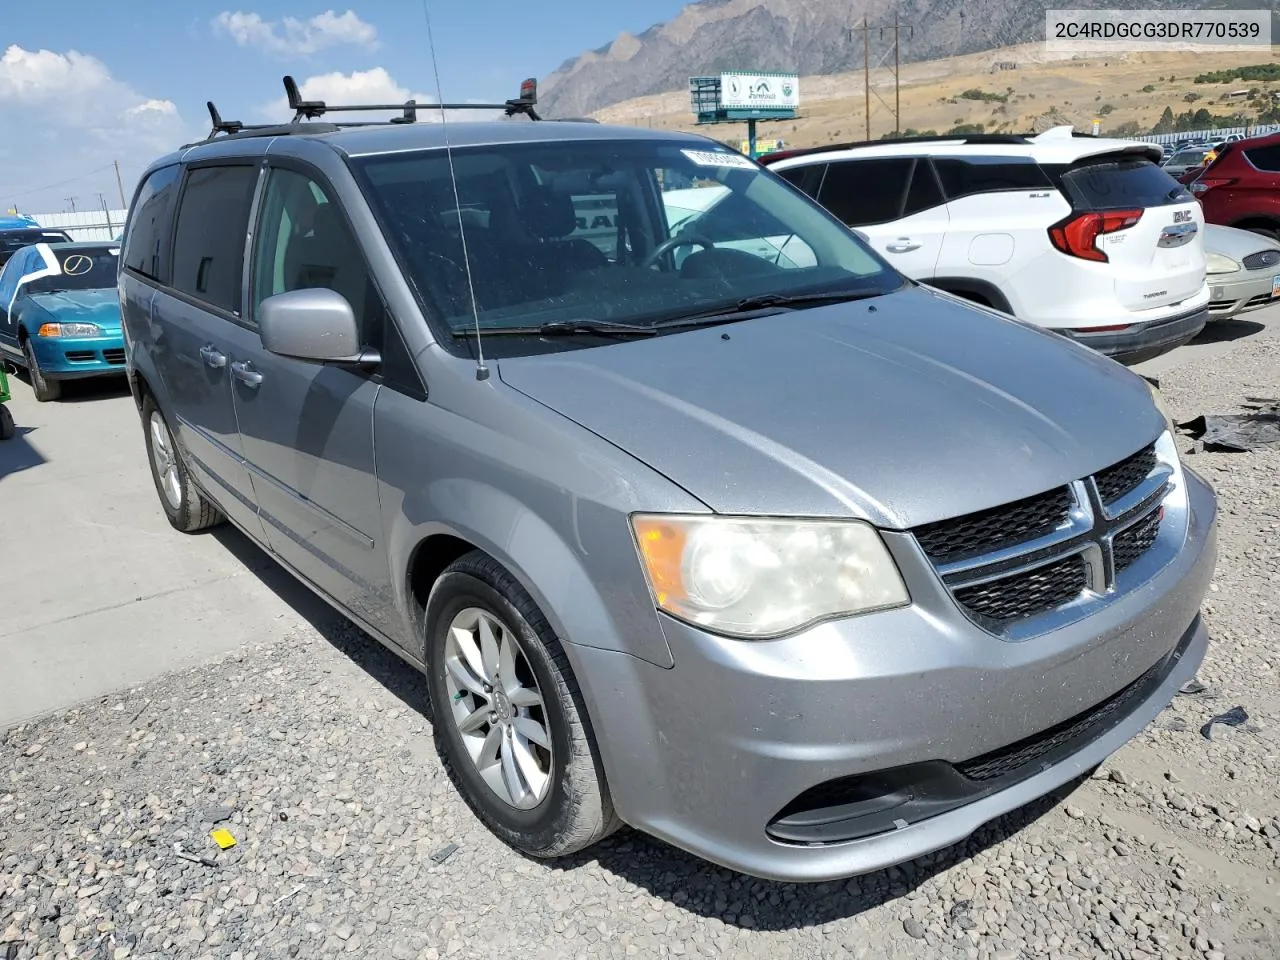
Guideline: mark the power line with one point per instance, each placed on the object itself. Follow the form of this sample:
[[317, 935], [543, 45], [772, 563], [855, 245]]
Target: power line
[[60, 183]]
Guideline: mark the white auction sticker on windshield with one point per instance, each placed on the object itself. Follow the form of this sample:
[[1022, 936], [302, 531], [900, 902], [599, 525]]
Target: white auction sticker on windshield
[[716, 158]]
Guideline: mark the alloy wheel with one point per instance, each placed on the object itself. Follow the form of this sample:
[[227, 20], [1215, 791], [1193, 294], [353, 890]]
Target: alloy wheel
[[496, 706]]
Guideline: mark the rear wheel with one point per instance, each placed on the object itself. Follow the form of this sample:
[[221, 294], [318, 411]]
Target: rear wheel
[[184, 505], [1268, 230], [509, 721], [44, 389], [7, 429]]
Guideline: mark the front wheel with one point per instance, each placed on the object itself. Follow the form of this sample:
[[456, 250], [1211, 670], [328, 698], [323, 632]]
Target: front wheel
[[184, 506], [44, 389], [7, 428], [509, 721]]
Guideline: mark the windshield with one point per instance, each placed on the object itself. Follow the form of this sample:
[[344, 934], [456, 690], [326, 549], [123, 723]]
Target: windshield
[[83, 268], [1188, 156], [620, 231]]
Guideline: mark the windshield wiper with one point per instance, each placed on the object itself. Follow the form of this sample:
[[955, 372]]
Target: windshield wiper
[[765, 301], [564, 328]]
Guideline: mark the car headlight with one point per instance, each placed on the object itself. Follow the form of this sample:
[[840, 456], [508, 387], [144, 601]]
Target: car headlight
[[754, 578], [1217, 263], [66, 330]]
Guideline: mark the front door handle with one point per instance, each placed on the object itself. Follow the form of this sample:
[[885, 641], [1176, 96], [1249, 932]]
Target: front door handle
[[243, 371], [903, 245], [213, 357]]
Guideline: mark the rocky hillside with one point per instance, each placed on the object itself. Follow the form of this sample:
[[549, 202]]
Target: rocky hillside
[[805, 36]]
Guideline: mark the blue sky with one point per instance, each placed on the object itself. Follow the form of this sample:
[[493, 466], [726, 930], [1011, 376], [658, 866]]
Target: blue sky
[[85, 83]]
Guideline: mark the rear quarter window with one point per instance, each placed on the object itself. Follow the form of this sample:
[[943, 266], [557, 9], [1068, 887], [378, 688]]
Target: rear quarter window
[[1265, 158], [1118, 184]]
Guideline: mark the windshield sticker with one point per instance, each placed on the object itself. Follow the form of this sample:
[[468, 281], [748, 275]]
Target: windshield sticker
[[76, 264], [716, 158]]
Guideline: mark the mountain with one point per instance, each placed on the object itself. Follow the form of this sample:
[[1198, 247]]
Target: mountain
[[809, 37]]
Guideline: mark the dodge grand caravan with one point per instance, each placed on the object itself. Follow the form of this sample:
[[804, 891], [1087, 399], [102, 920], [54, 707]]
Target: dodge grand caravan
[[789, 561]]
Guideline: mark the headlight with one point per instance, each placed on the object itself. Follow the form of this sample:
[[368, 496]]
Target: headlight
[[70, 330], [1217, 263], [754, 578]]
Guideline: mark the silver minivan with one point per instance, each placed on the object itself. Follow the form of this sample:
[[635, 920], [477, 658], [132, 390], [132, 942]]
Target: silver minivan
[[788, 561]]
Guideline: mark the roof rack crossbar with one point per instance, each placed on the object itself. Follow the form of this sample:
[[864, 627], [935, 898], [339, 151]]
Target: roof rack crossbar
[[314, 109]]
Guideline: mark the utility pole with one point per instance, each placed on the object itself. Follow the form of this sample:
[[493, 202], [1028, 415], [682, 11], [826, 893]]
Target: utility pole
[[106, 213], [897, 89], [72, 201], [866, 71], [124, 204]]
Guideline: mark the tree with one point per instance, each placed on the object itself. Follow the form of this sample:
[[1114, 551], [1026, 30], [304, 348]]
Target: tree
[[1166, 122]]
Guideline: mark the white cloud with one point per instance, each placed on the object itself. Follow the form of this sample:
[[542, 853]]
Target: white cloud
[[39, 75], [294, 37], [367, 86], [78, 118]]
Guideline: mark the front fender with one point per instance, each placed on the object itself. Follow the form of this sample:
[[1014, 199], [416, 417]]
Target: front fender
[[534, 553]]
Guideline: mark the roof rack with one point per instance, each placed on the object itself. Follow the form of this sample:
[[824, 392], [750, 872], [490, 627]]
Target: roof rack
[[975, 138], [315, 109], [311, 110]]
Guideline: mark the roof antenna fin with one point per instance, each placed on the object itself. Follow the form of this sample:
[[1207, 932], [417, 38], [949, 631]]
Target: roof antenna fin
[[482, 371]]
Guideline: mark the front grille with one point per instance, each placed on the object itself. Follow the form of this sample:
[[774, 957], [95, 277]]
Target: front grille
[[1029, 593], [989, 530], [1116, 481], [114, 356], [1261, 259], [1077, 731], [80, 356], [1132, 543]]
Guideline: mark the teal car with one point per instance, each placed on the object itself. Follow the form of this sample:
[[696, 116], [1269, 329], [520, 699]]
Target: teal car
[[60, 313]]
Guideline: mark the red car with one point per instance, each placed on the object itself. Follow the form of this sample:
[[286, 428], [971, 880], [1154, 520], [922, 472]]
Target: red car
[[1241, 187]]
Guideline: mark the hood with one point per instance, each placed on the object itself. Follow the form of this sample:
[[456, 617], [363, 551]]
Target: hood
[[1235, 243], [82, 306], [903, 410]]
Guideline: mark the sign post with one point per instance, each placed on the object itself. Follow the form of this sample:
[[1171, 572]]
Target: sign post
[[734, 97]]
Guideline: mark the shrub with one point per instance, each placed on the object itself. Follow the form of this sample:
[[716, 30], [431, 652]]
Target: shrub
[[1105, 109], [1149, 88]]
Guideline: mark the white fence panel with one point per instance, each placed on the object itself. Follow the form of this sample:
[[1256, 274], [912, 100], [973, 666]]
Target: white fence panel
[[85, 224]]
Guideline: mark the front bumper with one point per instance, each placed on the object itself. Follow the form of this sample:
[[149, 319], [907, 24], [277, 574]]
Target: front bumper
[[71, 358], [1142, 341], [1235, 293], [705, 755]]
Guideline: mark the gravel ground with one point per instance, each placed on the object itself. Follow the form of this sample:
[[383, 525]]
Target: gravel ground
[[315, 754]]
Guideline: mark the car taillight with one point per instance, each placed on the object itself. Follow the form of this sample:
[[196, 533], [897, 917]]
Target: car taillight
[[1205, 184], [1077, 236]]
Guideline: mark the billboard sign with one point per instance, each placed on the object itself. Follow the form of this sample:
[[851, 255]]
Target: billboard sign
[[768, 91]]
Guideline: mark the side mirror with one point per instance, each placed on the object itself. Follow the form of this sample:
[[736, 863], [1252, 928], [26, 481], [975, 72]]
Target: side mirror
[[316, 324]]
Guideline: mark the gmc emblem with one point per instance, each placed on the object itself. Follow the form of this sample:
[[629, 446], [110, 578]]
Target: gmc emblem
[[1182, 216]]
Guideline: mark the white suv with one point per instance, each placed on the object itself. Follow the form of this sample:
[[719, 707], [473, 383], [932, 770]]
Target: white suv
[[1079, 234]]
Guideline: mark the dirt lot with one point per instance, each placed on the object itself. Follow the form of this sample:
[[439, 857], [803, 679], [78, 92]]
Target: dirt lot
[[313, 750], [832, 108]]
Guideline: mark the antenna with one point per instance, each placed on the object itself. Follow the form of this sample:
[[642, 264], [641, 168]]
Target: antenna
[[482, 371]]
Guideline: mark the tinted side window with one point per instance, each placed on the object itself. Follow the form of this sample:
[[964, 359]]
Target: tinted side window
[[924, 192], [1265, 158], [304, 242], [967, 176], [807, 178], [864, 192], [147, 238], [208, 247]]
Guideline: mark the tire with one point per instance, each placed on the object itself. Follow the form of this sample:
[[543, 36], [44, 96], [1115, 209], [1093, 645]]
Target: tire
[[44, 389], [1271, 233], [186, 507], [574, 809], [7, 428]]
